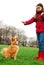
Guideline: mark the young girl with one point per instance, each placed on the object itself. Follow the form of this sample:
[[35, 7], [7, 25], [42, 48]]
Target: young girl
[[39, 19]]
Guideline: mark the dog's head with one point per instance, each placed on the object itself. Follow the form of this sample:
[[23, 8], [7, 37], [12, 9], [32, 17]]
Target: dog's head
[[14, 41]]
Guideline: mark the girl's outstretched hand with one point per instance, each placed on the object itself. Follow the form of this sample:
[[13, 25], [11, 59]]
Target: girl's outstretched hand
[[24, 22]]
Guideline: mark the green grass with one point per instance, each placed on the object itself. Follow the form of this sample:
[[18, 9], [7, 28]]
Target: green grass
[[25, 56]]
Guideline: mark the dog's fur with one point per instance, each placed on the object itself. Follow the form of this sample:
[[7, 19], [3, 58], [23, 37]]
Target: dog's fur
[[12, 50]]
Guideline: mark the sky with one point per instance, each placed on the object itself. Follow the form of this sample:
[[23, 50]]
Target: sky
[[13, 12]]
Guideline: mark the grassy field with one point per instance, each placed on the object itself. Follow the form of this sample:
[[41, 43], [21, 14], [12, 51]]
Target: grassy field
[[25, 57]]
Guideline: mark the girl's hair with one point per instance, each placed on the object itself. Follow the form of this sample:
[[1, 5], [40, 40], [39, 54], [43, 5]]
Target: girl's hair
[[40, 4]]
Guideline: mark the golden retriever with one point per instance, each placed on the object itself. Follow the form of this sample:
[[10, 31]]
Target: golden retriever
[[12, 50]]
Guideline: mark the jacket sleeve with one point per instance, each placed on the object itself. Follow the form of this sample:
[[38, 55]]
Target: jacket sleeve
[[30, 21]]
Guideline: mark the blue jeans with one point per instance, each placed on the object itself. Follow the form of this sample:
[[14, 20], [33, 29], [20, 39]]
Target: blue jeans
[[40, 38]]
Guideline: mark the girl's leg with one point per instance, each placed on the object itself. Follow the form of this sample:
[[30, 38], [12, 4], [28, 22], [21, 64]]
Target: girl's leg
[[41, 42], [38, 39], [41, 47]]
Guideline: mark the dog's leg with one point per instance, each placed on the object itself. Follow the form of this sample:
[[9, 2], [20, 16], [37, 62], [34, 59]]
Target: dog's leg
[[15, 56]]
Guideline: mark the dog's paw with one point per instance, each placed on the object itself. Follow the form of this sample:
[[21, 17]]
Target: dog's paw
[[14, 58]]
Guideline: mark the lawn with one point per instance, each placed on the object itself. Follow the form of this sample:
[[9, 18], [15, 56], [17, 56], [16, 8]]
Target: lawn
[[25, 56]]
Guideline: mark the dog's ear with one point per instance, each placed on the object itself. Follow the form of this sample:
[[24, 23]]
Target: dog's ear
[[12, 39], [17, 39]]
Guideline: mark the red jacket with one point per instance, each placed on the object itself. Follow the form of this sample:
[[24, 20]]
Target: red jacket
[[39, 22]]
